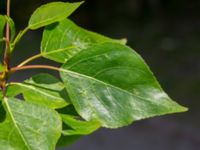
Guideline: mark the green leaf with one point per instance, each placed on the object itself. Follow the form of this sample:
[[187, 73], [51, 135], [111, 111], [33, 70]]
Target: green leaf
[[112, 84], [29, 126], [74, 127], [78, 127], [2, 67], [2, 27], [66, 140], [44, 89], [12, 90], [12, 27], [50, 13], [64, 40]]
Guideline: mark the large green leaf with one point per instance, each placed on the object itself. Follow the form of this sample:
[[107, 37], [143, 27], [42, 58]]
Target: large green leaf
[[29, 126], [112, 84], [2, 26], [50, 13], [43, 89], [64, 40]]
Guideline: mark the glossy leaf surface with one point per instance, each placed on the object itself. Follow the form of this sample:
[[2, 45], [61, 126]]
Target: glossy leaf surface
[[64, 40], [112, 84], [43, 89], [51, 13], [29, 127]]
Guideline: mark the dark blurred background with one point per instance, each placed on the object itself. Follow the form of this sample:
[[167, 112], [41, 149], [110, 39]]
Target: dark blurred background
[[167, 35]]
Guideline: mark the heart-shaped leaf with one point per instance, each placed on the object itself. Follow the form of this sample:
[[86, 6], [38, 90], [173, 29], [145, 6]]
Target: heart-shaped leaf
[[43, 89], [29, 127], [64, 40], [50, 13], [112, 84]]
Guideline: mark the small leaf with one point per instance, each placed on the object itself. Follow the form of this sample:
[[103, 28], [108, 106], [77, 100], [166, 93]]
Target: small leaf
[[62, 41], [74, 127], [66, 140], [112, 84], [29, 126], [78, 127], [2, 27], [50, 13], [44, 89]]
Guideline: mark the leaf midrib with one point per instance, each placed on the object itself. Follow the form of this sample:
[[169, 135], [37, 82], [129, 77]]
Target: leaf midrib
[[105, 83], [97, 80], [35, 89]]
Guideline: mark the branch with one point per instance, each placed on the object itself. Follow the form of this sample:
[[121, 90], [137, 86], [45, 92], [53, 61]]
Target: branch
[[18, 37], [14, 69], [6, 59], [7, 51], [29, 60], [7, 25]]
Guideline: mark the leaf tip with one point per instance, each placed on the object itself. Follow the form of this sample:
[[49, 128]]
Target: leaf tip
[[180, 109], [184, 109], [124, 41], [79, 3]]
